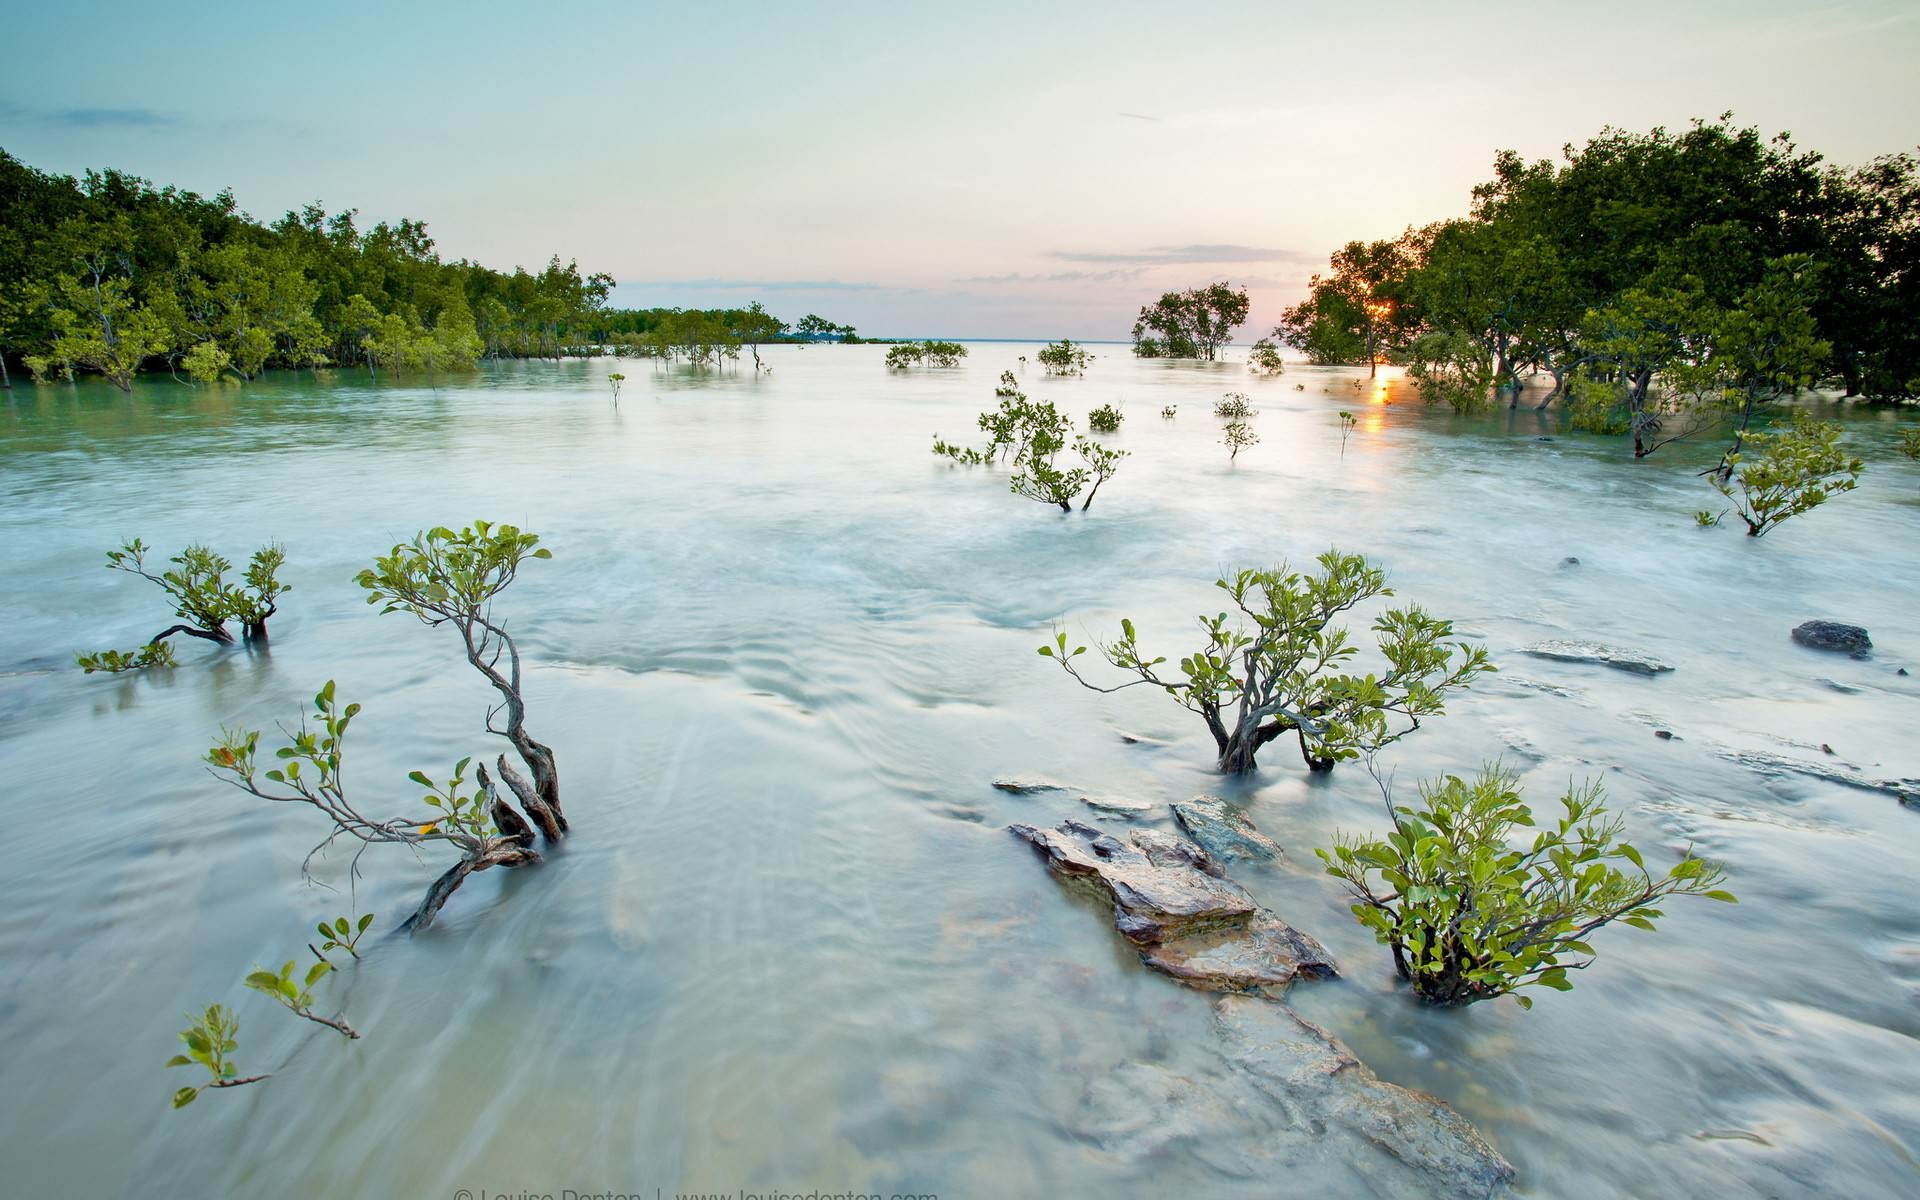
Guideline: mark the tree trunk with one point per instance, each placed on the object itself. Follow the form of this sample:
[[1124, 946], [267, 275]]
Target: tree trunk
[[218, 635], [505, 854], [1239, 748]]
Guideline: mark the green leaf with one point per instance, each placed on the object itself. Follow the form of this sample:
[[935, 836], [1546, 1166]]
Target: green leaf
[[179, 1060], [1723, 897], [1046, 652], [185, 1096]]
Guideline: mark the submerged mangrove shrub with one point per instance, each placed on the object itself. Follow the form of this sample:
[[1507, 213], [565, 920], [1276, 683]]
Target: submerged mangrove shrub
[[1264, 358], [1034, 433], [1790, 471], [930, 354], [1064, 358], [1105, 419], [1237, 436], [1233, 407], [210, 1038], [1277, 669], [1469, 916], [1451, 369], [202, 598]]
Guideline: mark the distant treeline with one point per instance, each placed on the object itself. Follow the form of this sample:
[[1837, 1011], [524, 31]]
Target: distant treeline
[[108, 274], [1646, 259]]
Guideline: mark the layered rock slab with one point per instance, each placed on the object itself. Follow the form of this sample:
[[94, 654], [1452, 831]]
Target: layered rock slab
[[1171, 900]]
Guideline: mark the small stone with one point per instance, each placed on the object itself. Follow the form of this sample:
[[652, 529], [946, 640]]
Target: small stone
[[1832, 635], [1665, 735], [1569, 561], [1901, 671]]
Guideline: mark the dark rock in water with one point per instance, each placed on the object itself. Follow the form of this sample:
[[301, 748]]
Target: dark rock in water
[[1569, 561], [1832, 635], [1901, 671], [1286, 1101], [1225, 833], [1171, 900], [1594, 652], [1027, 785], [1665, 735]]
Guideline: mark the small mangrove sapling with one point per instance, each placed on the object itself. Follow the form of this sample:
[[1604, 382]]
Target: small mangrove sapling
[[202, 599], [1470, 914], [1277, 669], [1237, 436], [481, 826], [443, 577]]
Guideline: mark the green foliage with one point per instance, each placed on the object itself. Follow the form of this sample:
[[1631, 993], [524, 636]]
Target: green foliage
[[1469, 916], [1190, 324], [297, 998], [153, 654], [1347, 422], [1167, 413], [1264, 358], [930, 354], [202, 598], [1034, 434], [1238, 435], [1105, 419], [1707, 519], [1451, 369], [442, 575], [1788, 472], [1598, 406], [1910, 443], [110, 275], [1064, 358], [1233, 407], [1279, 667], [207, 362], [209, 1038], [339, 934], [1358, 312]]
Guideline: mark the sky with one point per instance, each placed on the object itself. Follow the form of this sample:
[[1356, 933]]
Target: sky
[[1033, 170]]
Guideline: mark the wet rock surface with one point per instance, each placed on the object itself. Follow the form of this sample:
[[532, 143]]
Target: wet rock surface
[[1833, 635], [1594, 652], [1119, 806], [1028, 785], [1286, 1101], [1171, 900], [1224, 832], [1906, 791]]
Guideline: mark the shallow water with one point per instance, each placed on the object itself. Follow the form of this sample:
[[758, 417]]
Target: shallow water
[[780, 653]]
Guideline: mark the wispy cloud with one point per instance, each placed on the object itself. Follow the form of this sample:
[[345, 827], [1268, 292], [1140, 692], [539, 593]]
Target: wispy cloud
[[1115, 275], [1182, 255], [757, 285], [89, 118], [1138, 116]]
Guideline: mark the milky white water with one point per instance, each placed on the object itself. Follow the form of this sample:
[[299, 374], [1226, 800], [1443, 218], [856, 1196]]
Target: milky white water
[[780, 652]]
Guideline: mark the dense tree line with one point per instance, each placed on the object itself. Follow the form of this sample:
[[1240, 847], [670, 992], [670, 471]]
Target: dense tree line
[[108, 274], [1654, 278]]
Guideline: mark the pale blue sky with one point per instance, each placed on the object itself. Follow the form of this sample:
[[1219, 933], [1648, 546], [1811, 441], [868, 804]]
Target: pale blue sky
[[1037, 169]]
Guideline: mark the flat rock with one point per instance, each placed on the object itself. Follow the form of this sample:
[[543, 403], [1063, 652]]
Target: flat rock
[[1296, 1063], [1832, 635], [1906, 791], [1159, 890], [1594, 652], [1027, 785], [1283, 1103], [1118, 805], [1226, 833], [1172, 902], [1265, 955]]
